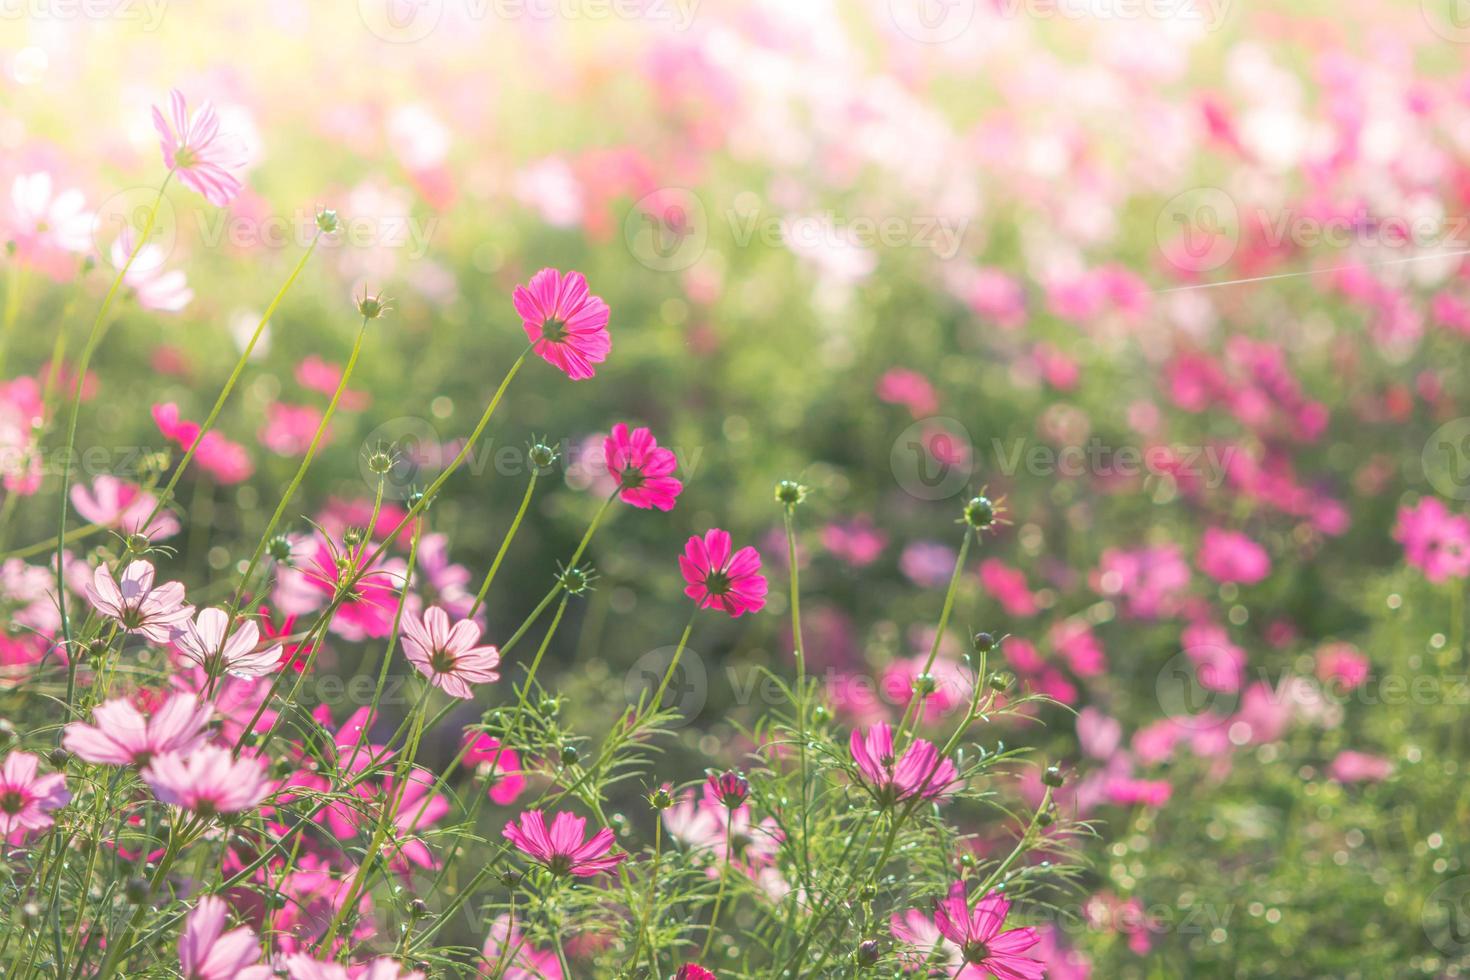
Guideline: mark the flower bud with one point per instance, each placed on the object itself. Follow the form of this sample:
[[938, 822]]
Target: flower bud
[[982, 642], [661, 798], [327, 222], [136, 890], [511, 879], [279, 549], [353, 536], [418, 908], [868, 952], [569, 755], [925, 685], [58, 758], [999, 681], [980, 513], [138, 543], [549, 706], [790, 493], [542, 455], [730, 788], [1052, 777], [380, 461], [372, 307], [576, 580]]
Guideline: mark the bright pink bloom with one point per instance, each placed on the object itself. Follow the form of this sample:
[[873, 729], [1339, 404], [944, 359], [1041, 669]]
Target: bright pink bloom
[[1229, 556], [729, 787], [228, 462], [1080, 647], [1341, 664], [174, 426], [566, 324], [1151, 581], [1434, 541], [27, 799], [198, 152], [693, 971], [121, 735], [208, 642], [900, 386], [985, 949], [506, 947], [716, 579], [208, 781], [1127, 791], [448, 655], [136, 605], [207, 952], [318, 375], [643, 469], [289, 429], [1359, 767], [562, 848], [857, 542], [122, 505], [1007, 586], [1219, 664], [891, 779], [497, 765]]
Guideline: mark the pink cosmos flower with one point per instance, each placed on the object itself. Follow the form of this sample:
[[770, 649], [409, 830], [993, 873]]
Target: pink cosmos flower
[[207, 642], [300, 966], [497, 765], [1219, 664], [561, 848], [1435, 541], [49, 229], [136, 605], [857, 542], [716, 579], [198, 152], [122, 505], [152, 286], [1229, 556], [921, 938], [1080, 647], [447, 655], [1151, 580], [1342, 665], [1359, 767], [1007, 586], [566, 324], [985, 949], [121, 735], [315, 374], [693, 971], [289, 429], [207, 952], [26, 798], [208, 780], [506, 947], [891, 779], [928, 564], [900, 386], [643, 469]]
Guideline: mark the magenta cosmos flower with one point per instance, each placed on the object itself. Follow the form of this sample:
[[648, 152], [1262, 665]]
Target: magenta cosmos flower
[[566, 324], [207, 642], [641, 468], [207, 952], [716, 579], [562, 848], [208, 781], [693, 971], [136, 605], [729, 787], [302, 967], [920, 772], [987, 951], [27, 798], [447, 655], [197, 151], [121, 735]]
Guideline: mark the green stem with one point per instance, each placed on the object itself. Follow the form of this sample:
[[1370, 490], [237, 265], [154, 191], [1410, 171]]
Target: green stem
[[510, 534], [916, 700]]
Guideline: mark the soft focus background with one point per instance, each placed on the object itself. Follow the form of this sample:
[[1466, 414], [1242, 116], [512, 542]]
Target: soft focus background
[[1183, 281]]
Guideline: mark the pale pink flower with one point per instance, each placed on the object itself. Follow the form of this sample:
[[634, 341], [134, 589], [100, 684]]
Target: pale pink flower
[[121, 735], [318, 375], [1435, 541], [1359, 767], [207, 952], [48, 229], [208, 781], [209, 643], [153, 288], [1008, 586], [27, 799], [566, 324], [923, 943], [289, 429], [136, 605], [122, 505], [449, 655], [901, 386], [300, 966], [198, 152], [506, 948]]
